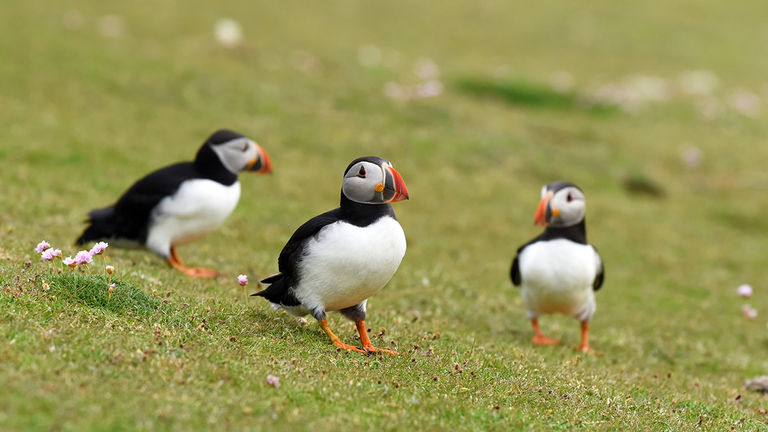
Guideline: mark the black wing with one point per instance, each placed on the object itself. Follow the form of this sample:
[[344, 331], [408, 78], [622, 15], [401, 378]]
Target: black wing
[[280, 291], [514, 272], [292, 251], [129, 216], [133, 209], [600, 277]]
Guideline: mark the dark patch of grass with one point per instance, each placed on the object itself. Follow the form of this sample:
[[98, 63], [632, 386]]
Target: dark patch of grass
[[640, 184], [93, 291], [527, 94]]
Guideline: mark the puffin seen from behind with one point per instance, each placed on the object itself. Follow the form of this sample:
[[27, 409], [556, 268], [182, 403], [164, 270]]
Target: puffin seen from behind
[[558, 271], [181, 202], [337, 260]]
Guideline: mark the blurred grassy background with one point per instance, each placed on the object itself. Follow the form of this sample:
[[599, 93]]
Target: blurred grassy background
[[656, 110]]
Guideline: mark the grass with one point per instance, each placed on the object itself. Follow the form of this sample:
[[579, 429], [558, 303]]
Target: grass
[[83, 114], [531, 95]]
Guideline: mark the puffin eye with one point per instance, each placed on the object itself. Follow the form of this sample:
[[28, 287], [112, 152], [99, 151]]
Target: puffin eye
[[361, 173], [569, 198], [245, 147]]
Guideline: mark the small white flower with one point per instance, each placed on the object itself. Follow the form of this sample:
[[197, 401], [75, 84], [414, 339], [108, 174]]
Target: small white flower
[[698, 82], [692, 157], [429, 89], [745, 103], [426, 69], [111, 26], [369, 56], [228, 32]]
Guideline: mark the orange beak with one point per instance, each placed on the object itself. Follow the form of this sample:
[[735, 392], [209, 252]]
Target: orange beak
[[541, 211], [262, 164], [394, 186]]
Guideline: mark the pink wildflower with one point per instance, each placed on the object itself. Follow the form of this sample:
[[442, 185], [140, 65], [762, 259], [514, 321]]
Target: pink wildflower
[[69, 261], [275, 306], [42, 246], [303, 320], [83, 257], [56, 253], [745, 290], [749, 312], [273, 381], [242, 280], [47, 255], [98, 248]]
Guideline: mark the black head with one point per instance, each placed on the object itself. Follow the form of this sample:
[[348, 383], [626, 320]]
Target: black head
[[373, 180], [235, 152], [562, 205]]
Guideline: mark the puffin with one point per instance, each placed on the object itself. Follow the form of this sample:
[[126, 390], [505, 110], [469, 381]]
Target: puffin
[[337, 260], [181, 202], [558, 271]]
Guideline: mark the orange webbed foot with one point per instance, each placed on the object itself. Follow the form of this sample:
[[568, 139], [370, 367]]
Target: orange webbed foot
[[370, 349], [198, 272], [366, 341], [543, 340], [201, 272], [342, 345]]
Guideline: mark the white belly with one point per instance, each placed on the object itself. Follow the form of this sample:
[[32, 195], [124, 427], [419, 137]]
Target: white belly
[[345, 264], [197, 208], [557, 277]]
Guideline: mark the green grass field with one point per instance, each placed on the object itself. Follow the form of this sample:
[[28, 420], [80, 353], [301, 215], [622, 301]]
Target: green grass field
[[96, 94]]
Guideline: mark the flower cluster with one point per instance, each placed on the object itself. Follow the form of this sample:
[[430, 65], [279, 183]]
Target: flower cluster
[[273, 380], [48, 253], [83, 257], [746, 292]]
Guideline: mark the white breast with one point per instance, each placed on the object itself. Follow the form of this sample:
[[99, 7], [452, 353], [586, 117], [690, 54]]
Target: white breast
[[197, 208], [557, 277], [345, 264]]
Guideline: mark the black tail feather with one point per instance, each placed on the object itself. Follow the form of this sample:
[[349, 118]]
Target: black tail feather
[[102, 226], [279, 292]]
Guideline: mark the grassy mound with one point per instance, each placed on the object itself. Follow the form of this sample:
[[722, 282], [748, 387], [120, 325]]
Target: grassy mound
[[93, 291]]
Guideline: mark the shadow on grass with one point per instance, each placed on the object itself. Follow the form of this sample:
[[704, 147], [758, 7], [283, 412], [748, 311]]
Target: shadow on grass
[[527, 94], [93, 291]]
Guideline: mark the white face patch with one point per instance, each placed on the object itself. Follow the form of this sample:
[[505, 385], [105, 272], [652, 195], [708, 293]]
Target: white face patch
[[361, 182], [236, 154], [571, 205]]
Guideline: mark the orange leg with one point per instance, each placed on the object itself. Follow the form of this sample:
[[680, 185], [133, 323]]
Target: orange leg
[[367, 346], [335, 339], [584, 347], [199, 272], [540, 339]]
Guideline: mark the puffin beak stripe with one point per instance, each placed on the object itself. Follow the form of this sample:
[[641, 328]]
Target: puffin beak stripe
[[394, 186], [265, 167], [541, 211]]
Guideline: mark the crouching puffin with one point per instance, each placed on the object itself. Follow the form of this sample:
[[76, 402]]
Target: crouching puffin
[[559, 271], [181, 202], [337, 260]]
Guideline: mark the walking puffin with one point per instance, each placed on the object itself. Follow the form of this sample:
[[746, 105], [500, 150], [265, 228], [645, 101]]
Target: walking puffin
[[558, 271], [337, 260], [181, 202]]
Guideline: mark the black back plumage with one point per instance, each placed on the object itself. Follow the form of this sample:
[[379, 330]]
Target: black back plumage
[[129, 217], [358, 214], [575, 233]]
